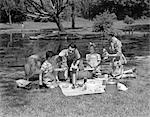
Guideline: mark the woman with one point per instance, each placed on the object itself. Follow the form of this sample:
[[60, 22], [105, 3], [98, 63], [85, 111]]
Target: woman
[[93, 59]]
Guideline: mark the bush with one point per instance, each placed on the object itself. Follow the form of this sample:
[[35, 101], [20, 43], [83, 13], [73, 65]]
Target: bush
[[16, 16], [103, 22], [66, 15], [128, 20]]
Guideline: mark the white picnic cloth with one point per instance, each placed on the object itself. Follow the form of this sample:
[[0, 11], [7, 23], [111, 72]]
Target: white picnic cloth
[[67, 90]]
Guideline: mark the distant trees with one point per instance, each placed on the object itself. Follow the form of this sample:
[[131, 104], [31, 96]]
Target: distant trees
[[104, 22], [128, 20], [53, 10], [12, 10], [132, 8], [8, 6], [50, 9]]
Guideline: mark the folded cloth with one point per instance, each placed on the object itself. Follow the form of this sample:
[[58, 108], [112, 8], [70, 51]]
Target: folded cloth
[[121, 87], [67, 90], [22, 82]]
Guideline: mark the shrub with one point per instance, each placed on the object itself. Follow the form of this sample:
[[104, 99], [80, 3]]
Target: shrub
[[66, 15], [103, 22], [128, 20]]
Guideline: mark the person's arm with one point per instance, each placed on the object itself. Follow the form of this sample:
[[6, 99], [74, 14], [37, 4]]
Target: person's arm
[[40, 78], [63, 53], [60, 69], [77, 54], [43, 67], [98, 60], [111, 46], [115, 55]]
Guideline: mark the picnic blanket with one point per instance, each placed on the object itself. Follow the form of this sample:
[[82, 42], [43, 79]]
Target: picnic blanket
[[96, 87]]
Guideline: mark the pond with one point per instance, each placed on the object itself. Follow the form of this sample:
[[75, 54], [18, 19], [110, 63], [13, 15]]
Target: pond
[[16, 47]]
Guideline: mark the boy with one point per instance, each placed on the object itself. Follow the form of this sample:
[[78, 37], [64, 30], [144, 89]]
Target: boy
[[49, 69], [46, 70]]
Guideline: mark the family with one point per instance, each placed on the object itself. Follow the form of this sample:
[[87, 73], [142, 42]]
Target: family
[[62, 66]]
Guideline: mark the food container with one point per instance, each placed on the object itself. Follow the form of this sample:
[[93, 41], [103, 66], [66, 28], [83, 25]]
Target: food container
[[93, 85], [111, 87]]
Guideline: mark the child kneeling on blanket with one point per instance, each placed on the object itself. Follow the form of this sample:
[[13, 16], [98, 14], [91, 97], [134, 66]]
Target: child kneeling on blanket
[[49, 70], [118, 70], [117, 65]]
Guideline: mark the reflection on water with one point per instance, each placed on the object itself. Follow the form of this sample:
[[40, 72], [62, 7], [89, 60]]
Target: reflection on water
[[14, 48]]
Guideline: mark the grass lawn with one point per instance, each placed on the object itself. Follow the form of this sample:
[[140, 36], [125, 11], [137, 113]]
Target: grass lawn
[[85, 25], [135, 102], [15, 102]]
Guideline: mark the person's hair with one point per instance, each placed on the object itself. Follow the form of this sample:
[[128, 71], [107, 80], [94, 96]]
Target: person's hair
[[91, 45], [72, 45], [49, 54], [117, 58], [59, 59], [112, 34]]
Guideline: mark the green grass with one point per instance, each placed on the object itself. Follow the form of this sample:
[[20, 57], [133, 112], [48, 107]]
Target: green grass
[[135, 102], [86, 26]]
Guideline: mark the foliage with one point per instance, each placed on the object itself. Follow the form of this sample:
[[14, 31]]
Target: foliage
[[12, 11], [128, 20], [84, 8], [103, 22], [66, 15], [132, 8], [47, 9]]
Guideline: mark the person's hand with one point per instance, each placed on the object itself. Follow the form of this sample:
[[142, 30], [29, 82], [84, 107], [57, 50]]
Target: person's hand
[[65, 68]]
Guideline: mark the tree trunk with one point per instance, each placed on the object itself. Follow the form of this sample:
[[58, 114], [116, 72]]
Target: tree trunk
[[73, 16], [58, 23], [10, 21]]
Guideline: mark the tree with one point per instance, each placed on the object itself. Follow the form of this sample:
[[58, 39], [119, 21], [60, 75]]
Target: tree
[[128, 20], [12, 9], [50, 9], [104, 22], [85, 8], [8, 6], [73, 14]]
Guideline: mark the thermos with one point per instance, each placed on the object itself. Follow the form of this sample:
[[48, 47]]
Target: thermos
[[73, 78]]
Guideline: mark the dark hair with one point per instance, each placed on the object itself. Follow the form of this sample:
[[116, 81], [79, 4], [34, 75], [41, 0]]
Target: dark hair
[[117, 58], [49, 54], [72, 45], [59, 59], [112, 34]]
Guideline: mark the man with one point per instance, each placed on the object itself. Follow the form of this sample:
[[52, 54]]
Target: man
[[70, 55]]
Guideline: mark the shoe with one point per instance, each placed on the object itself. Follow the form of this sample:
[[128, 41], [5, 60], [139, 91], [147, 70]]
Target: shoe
[[40, 86]]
